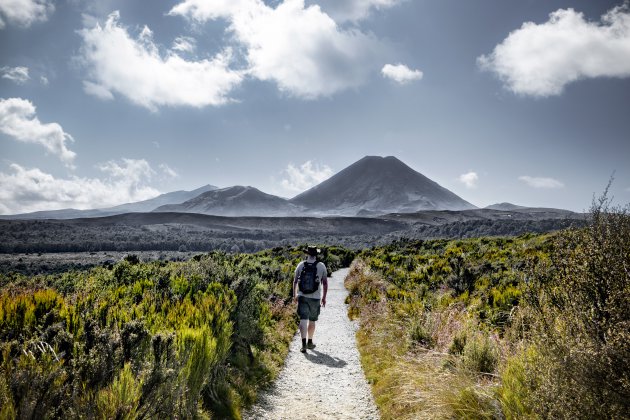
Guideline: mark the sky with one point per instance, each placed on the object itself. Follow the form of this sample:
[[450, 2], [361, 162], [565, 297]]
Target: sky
[[113, 101]]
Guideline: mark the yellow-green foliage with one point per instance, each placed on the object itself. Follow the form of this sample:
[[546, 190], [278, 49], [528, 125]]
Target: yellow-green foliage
[[121, 399], [191, 339], [578, 309], [527, 327], [433, 316]]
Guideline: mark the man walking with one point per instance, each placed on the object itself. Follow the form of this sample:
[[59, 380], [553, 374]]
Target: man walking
[[309, 280]]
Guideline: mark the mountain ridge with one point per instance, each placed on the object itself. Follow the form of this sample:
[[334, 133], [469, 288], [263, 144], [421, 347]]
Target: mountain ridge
[[370, 187], [133, 207], [234, 201]]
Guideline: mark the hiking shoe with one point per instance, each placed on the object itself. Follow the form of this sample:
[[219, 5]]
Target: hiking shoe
[[303, 349], [310, 346]]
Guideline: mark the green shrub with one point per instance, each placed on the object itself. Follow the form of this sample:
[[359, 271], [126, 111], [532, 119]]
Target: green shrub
[[148, 340], [458, 344], [580, 318], [121, 399], [480, 354], [513, 393], [420, 334]]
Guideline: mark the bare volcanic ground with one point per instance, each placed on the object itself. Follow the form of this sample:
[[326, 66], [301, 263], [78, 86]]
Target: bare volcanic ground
[[324, 383]]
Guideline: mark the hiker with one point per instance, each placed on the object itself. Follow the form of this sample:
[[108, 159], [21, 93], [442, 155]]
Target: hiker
[[310, 276]]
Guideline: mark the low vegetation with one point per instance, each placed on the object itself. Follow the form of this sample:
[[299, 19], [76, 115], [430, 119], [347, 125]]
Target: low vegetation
[[229, 235], [534, 326], [530, 327], [191, 339]]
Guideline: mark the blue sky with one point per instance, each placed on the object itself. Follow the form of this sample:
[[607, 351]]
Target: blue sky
[[114, 101]]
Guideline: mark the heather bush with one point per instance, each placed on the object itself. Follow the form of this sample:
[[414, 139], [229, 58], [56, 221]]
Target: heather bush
[[579, 309], [191, 339]]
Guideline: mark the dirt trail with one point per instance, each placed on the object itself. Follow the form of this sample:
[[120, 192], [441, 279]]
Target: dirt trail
[[324, 383]]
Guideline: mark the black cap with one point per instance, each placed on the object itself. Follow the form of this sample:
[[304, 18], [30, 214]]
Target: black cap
[[312, 250]]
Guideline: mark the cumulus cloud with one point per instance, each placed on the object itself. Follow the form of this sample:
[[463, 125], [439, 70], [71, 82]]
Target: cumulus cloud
[[299, 48], [541, 59], [18, 120], [136, 69], [24, 190], [400, 73], [301, 178], [24, 12], [354, 10], [469, 179], [18, 74], [540, 182]]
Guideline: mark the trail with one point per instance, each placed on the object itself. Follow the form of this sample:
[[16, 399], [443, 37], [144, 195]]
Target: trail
[[324, 383]]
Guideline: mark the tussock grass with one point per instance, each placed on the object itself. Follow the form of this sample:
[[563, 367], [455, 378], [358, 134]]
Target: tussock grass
[[404, 357], [499, 328]]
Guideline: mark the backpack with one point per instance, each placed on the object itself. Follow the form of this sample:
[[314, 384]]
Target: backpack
[[309, 282]]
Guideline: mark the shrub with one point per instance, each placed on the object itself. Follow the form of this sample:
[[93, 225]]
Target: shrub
[[121, 399], [580, 321], [480, 354], [147, 340]]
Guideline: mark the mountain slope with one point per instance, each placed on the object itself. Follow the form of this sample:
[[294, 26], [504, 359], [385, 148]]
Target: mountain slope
[[377, 184], [504, 206], [174, 197], [151, 204], [235, 201]]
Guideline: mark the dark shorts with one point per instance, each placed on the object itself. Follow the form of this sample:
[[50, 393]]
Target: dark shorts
[[308, 308]]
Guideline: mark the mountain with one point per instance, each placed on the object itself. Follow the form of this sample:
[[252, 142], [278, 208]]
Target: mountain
[[235, 201], [151, 204], [375, 185], [504, 206], [174, 197]]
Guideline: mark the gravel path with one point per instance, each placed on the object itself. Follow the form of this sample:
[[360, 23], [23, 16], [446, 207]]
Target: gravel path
[[324, 383]]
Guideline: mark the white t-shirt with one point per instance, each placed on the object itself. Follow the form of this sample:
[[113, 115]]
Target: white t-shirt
[[321, 275]]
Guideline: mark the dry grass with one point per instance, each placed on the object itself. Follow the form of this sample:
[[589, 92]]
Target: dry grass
[[409, 381]]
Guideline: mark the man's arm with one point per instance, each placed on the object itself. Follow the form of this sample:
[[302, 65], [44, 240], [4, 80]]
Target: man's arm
[[296, 278], [325, 284]]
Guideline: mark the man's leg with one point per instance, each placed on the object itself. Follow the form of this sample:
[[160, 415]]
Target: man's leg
[[311, 329], [303, 328], [303, 313]]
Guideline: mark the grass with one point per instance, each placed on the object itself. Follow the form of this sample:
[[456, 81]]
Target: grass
[[410, 375]]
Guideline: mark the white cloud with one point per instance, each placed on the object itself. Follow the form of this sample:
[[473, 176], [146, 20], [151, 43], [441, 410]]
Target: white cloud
[[184, 44], [135, 68], [43, 80], [540, 182], [19, 120], [18, 74], [25, 190], [299, 48], [168, 171], [298, 179], [354, 10], [99, 91], [541, 59], [400, 73], [25, 12], [469, 179], [133, 171]]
